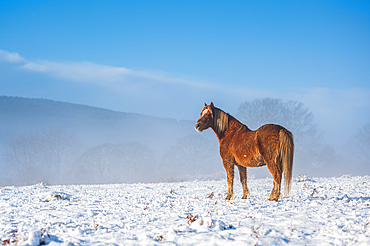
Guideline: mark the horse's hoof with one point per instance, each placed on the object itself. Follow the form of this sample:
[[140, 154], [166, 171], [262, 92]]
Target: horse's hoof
[[273, 199], [228, 197], [245, 196]]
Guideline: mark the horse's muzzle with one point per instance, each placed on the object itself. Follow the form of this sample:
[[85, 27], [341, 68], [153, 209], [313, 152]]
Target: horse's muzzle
[[198, 127]]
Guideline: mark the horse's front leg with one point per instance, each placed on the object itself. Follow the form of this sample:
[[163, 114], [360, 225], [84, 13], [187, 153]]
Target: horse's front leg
[[243, 180], [229, 167]]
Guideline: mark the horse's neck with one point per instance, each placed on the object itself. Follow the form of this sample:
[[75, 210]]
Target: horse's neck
[[233, 125]]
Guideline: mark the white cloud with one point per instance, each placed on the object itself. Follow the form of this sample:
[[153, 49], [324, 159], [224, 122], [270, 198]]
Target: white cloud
[[35, 67], [10, 57], [88, 72], [80, 71]]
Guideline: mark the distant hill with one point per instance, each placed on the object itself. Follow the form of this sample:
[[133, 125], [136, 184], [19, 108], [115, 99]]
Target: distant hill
[[91, 125], [105, 140]]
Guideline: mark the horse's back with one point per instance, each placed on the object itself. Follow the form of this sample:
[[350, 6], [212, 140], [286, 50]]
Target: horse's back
[[271, 128]]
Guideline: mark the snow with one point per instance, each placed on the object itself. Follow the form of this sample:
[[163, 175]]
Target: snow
[[319, 211]]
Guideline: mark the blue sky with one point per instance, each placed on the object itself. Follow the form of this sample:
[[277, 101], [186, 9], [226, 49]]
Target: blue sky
[[165, 58]]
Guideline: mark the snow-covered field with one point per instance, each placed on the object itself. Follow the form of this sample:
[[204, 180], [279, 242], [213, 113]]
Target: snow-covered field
[[319, 211]]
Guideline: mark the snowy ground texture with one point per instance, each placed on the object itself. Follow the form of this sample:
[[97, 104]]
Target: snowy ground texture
[[319, 211]]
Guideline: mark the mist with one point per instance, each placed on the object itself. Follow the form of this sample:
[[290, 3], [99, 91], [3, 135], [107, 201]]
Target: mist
[[64, 143]]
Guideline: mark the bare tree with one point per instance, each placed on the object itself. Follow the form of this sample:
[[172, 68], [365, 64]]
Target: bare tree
[[293, 115], [193, 156], [96, 163], [358, 149], [60, 150], [42, 156], [112, 163], [312, 156], [23, 153]]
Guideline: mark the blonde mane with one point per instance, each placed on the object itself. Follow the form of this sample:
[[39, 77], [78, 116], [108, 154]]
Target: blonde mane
[[220, 121]]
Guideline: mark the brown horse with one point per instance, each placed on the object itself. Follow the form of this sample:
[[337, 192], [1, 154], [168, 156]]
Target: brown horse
[[270, 145]]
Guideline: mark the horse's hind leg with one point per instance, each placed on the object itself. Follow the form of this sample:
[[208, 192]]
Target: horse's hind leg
[[275, 194], [276, 172], [243, 180]]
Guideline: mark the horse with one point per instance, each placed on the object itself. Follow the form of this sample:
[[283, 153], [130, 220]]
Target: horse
[[270, 145]]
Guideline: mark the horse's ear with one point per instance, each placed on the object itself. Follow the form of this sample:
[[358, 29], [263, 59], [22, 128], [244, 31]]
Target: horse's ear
[[205, 104], [212, 106]]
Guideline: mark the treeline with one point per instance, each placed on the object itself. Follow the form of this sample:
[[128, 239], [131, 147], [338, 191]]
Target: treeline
[[54, 156]]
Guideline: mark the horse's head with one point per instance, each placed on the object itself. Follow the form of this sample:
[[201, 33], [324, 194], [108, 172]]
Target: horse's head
[[206, 118]]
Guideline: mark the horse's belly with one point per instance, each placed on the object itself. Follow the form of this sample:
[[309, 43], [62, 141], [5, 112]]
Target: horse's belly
[[256, 161]]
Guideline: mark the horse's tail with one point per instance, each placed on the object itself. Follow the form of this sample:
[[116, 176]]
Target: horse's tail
[[286, 153]]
